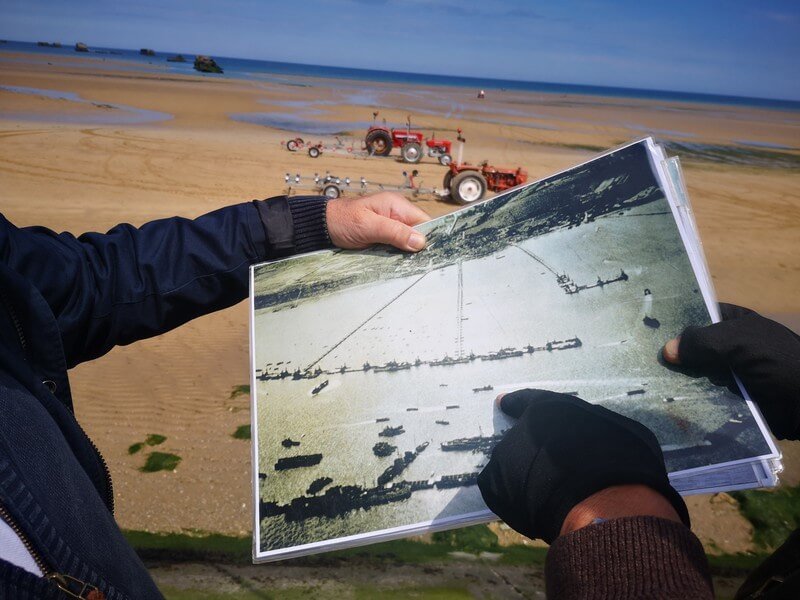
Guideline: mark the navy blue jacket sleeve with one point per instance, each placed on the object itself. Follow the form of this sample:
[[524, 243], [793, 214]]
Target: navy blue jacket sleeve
[[132, 283]]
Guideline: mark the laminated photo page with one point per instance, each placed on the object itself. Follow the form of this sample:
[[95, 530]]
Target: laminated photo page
[[374, 373]]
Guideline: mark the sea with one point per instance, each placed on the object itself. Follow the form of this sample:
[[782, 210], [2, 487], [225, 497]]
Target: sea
[[283, 72]]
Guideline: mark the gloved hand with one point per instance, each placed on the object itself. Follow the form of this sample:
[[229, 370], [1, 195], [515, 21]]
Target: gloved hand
[[561, 451], [764, 354]]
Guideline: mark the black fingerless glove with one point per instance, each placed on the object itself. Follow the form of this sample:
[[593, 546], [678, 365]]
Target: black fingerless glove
[[764, 354], [561, 451]]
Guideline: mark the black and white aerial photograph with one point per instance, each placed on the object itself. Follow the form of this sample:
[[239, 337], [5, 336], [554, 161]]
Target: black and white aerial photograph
[[376, 371]]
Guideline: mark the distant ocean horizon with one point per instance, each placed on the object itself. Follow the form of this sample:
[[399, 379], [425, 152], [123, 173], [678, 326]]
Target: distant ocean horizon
[[264, 70]]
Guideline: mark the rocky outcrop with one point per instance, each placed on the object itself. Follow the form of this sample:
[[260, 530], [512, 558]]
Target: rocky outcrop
[[81, 47], [147, 52], [177, 58], [206, 64]]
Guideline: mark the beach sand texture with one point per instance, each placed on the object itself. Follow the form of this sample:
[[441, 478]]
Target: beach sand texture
[[89, 164]]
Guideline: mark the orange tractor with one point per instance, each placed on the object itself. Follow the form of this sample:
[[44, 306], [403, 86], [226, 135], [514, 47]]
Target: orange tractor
[[468, 183]]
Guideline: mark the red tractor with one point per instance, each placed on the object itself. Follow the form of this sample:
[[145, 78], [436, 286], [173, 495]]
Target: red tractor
[[413, 146], [468, 183]]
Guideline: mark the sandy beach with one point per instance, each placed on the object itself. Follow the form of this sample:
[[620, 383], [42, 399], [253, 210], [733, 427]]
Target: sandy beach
[[116, 145]]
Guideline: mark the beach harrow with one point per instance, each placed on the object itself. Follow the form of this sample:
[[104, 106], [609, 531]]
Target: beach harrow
[[316, 149], [333, 187]]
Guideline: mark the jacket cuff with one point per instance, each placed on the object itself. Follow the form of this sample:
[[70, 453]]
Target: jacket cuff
[[293, 225], [630, 557], [310, 223]]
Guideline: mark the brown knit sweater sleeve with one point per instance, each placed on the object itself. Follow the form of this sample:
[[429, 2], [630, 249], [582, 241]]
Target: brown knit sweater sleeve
[[631, 557]]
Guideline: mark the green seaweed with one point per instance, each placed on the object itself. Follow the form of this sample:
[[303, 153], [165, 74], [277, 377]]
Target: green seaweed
[[134, 448], [313, 591], [773, 514], [242, 432], [154, 439], [239, 390], [475, 539], [160, 461], [734, 155]]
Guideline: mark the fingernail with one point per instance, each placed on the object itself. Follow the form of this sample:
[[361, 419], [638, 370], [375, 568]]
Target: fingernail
[[671, 351], [498, 399], [416, 241]]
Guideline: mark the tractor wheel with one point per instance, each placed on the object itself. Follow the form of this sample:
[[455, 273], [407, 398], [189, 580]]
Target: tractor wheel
[[331, 191], [314, 152], [291, 145], [379, 142], [445, 160], [468, 187], [448, 177], [411, 152]]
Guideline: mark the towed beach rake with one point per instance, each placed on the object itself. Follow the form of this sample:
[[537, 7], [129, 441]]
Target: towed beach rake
[[332, 186]]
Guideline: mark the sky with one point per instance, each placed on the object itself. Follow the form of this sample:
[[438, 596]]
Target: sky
[[733, 47]]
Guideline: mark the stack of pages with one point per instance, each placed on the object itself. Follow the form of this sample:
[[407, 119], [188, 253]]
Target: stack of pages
[[374, 373]]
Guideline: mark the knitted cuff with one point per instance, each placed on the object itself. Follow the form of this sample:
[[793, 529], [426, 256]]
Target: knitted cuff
[[310, 223], [630, 557]]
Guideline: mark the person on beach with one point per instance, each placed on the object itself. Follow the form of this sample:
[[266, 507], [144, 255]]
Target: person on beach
[[65, 300], [593, 483]]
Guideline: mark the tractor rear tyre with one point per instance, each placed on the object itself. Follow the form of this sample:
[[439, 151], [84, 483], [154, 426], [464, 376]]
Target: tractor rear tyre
[[292, 145], [379, 142], [331, 191], [448, 177], [314, 152], [468, 187], [445, 160], [411, 152]]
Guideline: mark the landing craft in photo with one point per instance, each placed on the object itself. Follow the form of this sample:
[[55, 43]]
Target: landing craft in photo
[[435, 332]]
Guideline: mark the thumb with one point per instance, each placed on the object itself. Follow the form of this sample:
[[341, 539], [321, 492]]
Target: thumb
[[383, 230], [516, 403], [717, 346]]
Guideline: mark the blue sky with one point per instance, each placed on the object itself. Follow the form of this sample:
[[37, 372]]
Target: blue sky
[[737, 47]]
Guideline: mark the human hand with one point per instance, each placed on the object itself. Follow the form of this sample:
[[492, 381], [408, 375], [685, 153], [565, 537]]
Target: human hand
[[562, 453], [764, 354], [382, 218]]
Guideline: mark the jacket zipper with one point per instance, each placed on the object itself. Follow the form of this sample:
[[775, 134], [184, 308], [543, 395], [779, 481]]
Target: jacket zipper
[[71, 586], [17, 325], [104, 465], [23, 343]]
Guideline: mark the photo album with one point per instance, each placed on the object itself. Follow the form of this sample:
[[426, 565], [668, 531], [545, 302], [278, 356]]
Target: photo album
[[374, 373]]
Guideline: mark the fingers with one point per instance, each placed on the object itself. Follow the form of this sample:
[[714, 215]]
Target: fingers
[[384, 230], [397, 207], [711, 345], [516, 403], [720, 345], [380, 219], [409, 214], [732, 311], [670, 351]]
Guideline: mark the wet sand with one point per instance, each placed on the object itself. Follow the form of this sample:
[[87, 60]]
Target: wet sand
[[70, 173]]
